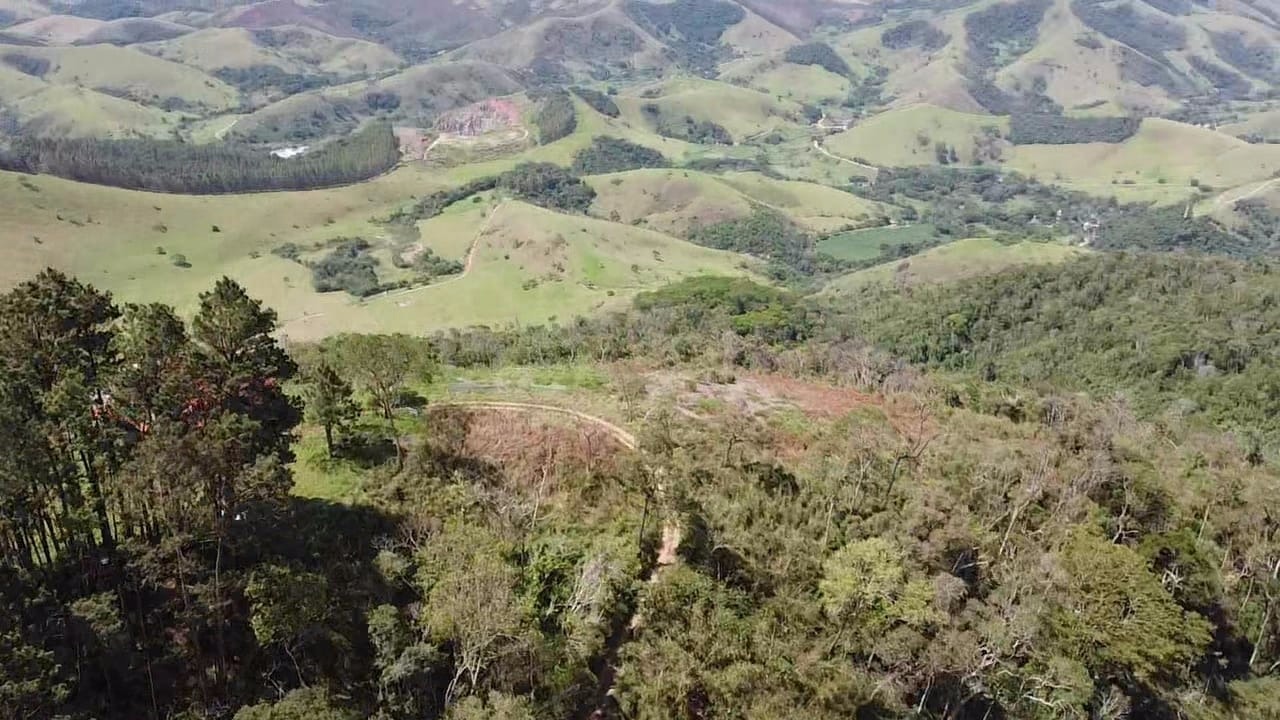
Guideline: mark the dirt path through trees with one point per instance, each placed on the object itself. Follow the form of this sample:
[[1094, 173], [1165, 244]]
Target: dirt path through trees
[[667, 557]]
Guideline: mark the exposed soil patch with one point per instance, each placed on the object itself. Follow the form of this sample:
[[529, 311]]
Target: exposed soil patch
[[492, 115], [529, 448], [754, 393], [414, 142]]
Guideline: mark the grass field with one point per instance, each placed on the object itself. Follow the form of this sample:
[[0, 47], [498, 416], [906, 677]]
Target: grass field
[[955, 261], [672, 201], [1162, 152], [859, 245], [744, 113], [531, 266], [143, 77], [786, 81], [907, 137]]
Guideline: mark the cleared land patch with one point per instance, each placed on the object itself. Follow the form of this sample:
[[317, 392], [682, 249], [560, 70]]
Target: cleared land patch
[[868, 244]]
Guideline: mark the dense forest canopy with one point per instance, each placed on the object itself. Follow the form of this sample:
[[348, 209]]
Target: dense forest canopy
[[1200, 343], [177, 167]]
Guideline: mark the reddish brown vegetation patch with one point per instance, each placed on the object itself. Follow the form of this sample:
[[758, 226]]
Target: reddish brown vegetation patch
[[414, 142], [527, 449], [813, 398], [479, 118]]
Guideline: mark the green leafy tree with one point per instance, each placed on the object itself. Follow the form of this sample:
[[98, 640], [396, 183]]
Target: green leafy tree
[[382, 366], [495, 706], [1115, 617], [329, 401], [301, 704]]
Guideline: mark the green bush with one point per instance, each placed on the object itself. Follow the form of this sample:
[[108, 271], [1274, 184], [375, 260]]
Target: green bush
[[610, 154]]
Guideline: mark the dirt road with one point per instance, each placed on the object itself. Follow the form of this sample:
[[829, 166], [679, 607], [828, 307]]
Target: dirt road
[[818, 146], [1222, 199], [466, 264], [623, 436], [667, 557]]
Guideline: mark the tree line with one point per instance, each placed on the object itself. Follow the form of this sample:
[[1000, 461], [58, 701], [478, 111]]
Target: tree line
[[1055, 129], [177, 167]]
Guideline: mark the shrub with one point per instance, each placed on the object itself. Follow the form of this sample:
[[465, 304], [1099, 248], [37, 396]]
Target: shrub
[[555, 118], [347, 267], [550, 186], [820, 54], [610, 154], [598, 101], [914, 33], [1050, 129], [1004, 31]]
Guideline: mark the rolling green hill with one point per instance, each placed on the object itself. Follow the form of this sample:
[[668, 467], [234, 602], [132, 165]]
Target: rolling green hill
[[954, 261], [910, 135], [743, 113], [673, 201]]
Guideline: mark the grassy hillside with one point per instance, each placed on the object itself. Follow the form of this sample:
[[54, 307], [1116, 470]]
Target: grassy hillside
[[818, 207], [743, 113], [673, 201], [954, 261], [341, 56], [128, 74], [55, 29], [670, 201], [1158, 163], [423, 92], [112, 235], [212, 48], [916, 73], [597, 40], [1165, 154], [529, 266], [1265, 125], [755, 35], [908, 136], [784, 80], [62, 110], [1079, 76]]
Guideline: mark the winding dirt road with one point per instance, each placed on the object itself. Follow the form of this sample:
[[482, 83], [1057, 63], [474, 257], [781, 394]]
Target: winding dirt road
[[1222, 199], [466, 265]]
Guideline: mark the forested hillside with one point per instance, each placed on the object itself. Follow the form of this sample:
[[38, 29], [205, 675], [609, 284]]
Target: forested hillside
[[1193, 337], [168, 166], [899, 551]]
